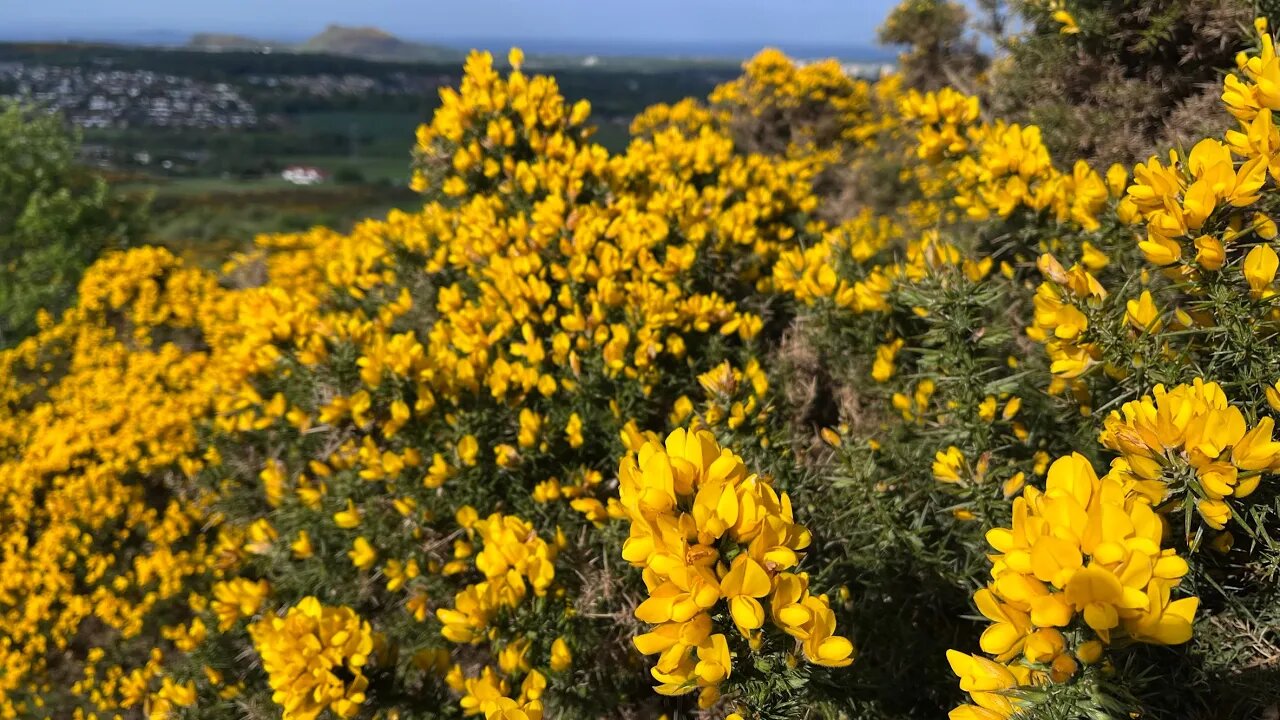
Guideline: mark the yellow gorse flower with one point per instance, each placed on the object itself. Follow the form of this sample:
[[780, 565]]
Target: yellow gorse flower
[[690, 502], [1084, 553], [314, 657], [238, 598], [948, 465], [512, 560], [1191, 428]]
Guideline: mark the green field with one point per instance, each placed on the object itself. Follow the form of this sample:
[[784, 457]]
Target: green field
[[208, 219]]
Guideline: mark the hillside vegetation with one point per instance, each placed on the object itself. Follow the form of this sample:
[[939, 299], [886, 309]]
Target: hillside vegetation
[[822, 399]]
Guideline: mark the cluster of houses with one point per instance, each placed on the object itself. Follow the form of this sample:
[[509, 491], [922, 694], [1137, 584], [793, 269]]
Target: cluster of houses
[[103, 98], [353, 84]]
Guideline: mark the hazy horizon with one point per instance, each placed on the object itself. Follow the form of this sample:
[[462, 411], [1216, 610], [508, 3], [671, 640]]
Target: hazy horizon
[[709, 48], [831, 24]]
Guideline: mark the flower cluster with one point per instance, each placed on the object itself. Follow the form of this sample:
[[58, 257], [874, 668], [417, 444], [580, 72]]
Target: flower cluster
[[1176, 201], [314, 657], [1061, 321], [817, 103], [813, 273], [1080, 566], [1196, 208], [488, 695], [514, 558], [943, 118], [734, 396], [1189, 443], [993, 169], [704, 530]]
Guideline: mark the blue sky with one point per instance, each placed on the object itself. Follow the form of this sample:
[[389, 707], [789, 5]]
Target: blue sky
[[780, 21]]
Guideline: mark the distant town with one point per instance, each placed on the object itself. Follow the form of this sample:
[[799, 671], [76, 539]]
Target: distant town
[[105, 98], [120, 99], [353, 85]]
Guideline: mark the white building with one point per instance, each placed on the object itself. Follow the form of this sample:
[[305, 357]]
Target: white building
[[304, 175]]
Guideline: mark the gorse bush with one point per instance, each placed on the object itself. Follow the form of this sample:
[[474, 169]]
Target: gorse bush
[[933, 31], [715, 427], [1116, 80], [1105, 80]]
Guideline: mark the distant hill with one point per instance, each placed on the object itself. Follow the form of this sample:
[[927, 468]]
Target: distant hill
[[374, 44], [366, 43]]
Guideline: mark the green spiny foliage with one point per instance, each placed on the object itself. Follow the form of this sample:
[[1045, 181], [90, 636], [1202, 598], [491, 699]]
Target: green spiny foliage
[[1137, 76]]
